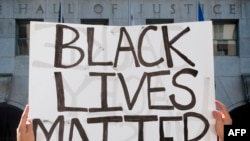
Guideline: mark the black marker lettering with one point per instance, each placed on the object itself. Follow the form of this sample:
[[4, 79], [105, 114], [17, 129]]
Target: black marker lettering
[[126, 93], [193, 99], [162, 119], [104, 103], [156, 89], [90, 32], [130, 48], [59, 46], [59, 120], [75, 122], [142, 61], [140, 119], [105, 121], [169, 44], [60, 96], [199, 116]]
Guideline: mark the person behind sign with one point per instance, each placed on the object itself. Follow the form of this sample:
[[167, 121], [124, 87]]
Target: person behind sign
[[222, 117]]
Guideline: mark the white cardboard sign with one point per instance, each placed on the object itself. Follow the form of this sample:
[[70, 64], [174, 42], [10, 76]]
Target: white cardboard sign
[[122, 83]]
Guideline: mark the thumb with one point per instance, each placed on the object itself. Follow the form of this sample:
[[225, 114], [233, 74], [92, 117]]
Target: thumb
[[217, 115], [29, 126]]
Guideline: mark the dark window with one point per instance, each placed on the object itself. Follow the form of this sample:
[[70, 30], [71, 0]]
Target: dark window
[[5, 86], [225, 37], [246, 85], [95, 21], [23, 36], [159, 21]]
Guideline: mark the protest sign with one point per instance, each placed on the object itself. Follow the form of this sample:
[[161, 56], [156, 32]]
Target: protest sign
[[122, 83]]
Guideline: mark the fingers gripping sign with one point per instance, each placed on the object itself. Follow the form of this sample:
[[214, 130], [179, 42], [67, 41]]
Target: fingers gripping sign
[[24, 129], [222, 117]]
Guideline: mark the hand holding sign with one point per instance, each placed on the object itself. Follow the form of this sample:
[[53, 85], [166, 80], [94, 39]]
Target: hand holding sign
[[222, 118], [24, 129]]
